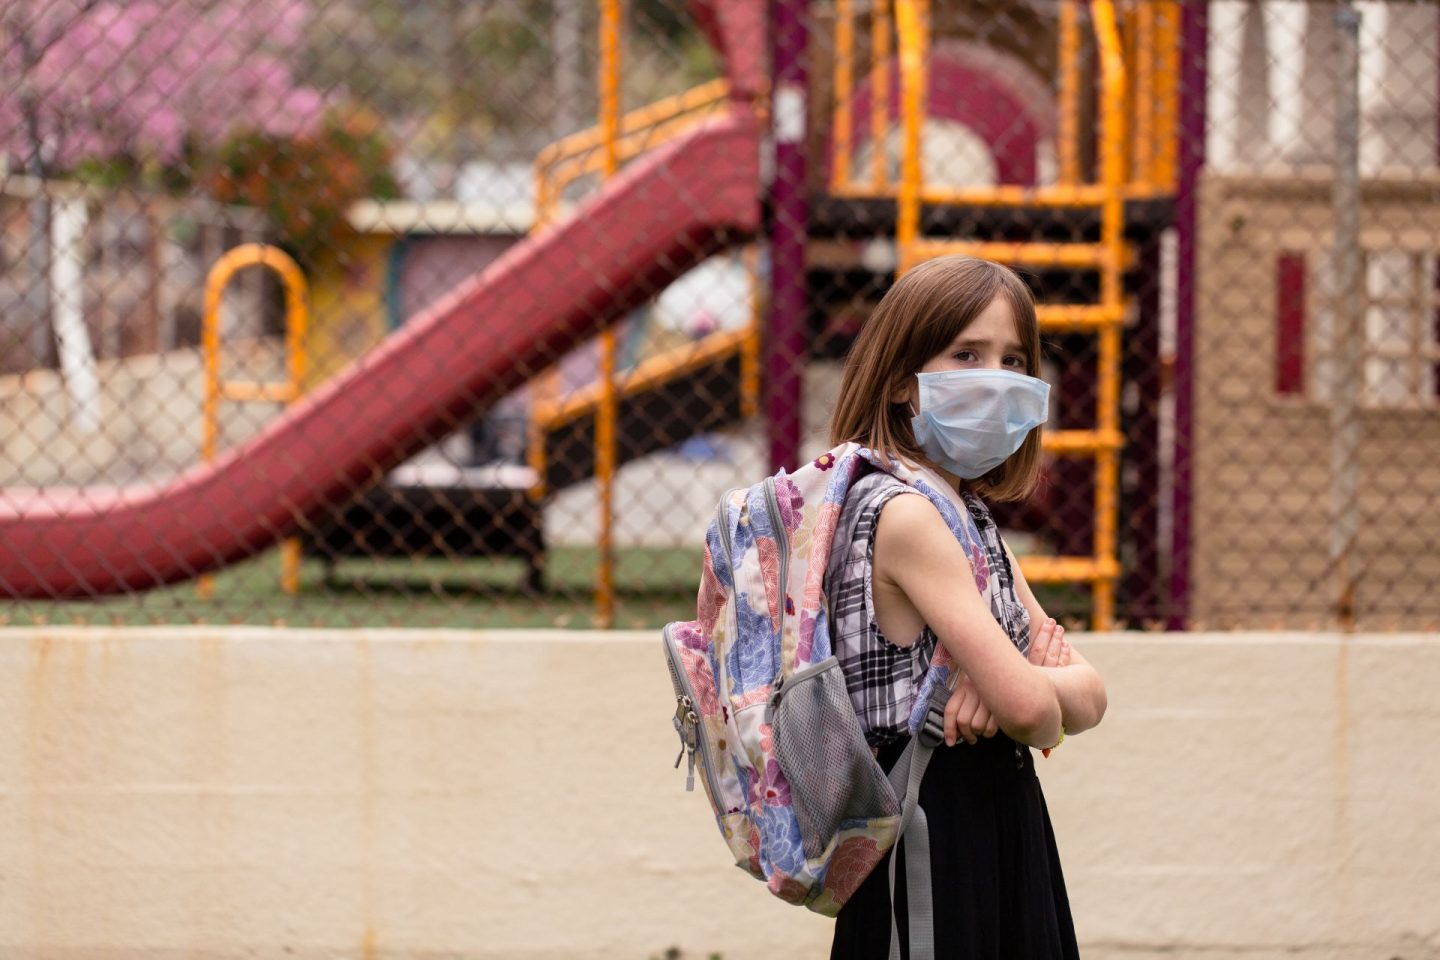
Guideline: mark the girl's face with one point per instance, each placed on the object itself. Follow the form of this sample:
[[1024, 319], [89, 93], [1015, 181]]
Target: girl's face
[[988, 343]]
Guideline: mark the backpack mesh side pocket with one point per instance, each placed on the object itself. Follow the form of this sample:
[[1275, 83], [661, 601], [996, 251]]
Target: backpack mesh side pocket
[[834, 779]]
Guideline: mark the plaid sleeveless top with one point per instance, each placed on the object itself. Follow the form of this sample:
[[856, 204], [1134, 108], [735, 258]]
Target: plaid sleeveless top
[[882, 677]]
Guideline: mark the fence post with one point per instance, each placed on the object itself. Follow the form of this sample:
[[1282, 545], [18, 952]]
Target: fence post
[[1347, 356], [785, 346], [607, 410], [1194, 86]]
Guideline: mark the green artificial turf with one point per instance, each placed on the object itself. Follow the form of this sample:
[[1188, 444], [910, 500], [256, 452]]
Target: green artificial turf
[[652, 586]]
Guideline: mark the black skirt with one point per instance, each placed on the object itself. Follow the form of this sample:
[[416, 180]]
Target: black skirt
[[997, 887]]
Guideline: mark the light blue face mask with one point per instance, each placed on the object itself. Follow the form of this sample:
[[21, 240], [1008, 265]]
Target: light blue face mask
[[971, 421]]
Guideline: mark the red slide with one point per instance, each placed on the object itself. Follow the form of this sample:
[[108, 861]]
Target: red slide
[[654, 221]]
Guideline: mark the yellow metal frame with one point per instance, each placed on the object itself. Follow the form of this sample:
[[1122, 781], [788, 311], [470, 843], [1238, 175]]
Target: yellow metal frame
[[1159, 94], [879, 93], [601, 150], [653, 372], [750, 349], [1109, 256], [297, 318], [586, 152], [842, 130], [1112, 241], [913, 28], [607, 409], [1149, 48]]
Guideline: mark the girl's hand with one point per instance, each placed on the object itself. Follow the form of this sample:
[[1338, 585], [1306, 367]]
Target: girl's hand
[[966, 717], [1048, 647]]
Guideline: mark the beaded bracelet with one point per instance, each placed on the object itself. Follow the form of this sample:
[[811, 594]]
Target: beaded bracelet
[[1045, 751]]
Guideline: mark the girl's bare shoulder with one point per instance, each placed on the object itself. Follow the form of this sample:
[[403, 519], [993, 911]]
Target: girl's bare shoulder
[[910, 531]]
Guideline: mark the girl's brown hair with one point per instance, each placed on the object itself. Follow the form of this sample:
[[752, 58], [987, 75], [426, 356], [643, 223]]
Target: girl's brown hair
[[920, 316]]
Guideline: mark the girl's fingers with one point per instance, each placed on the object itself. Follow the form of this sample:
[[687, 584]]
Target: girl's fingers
[[983, 723], [1065, 653], [966, 725], [965, 700], [952, 712], [1040, 644], [967, 722], [1052, 654]]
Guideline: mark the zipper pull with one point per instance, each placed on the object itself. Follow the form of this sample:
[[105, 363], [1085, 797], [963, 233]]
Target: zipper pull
[[690, 774], [680, 732], [774, 701]]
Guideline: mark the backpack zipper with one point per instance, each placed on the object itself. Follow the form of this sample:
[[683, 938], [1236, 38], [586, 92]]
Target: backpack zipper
[[784, 685], [722, 520], [782, 537], [732, 621], [687, 724]]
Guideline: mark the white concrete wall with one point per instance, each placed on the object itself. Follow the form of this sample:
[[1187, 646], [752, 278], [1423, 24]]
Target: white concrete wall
[[261, 793]]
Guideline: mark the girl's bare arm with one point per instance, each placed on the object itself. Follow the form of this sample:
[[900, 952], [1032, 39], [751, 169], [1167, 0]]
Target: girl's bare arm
[[919, 564]]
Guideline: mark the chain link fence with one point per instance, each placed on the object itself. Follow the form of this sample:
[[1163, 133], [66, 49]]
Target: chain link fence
[[353, 312]]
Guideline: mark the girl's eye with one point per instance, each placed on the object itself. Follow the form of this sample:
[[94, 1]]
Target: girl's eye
[[964, 356], [1018, 362]]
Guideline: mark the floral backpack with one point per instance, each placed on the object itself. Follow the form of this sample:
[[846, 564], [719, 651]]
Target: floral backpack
[[762, 707]]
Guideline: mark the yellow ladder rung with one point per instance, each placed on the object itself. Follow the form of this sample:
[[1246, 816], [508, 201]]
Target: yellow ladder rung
[[659, 369], [248, 391], [1071, 256], [1077, 318], [1077, 442], [1006, 196], [1077, 196], [1069, 569]]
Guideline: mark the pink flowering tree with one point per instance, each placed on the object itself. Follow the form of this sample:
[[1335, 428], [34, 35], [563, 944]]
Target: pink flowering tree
[[88, 80], [145, 85]]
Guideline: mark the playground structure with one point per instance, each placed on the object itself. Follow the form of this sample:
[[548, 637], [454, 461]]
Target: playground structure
[[583, 427], [647, 227], [1070, 144], [1230, 212], [575, 439], [287, 391]]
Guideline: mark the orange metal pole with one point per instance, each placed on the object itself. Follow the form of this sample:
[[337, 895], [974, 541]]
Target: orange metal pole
[[210, 405], [297, 324], [843, 130], [1126, 27], [1166, 86], [1144, 96], [1112, 238], [297, 321], [1112, 147], [910, 28], [879, 92], [750, 350], [607, 412]]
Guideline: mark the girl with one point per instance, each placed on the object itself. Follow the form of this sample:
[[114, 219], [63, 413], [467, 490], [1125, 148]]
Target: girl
[[943, 376]]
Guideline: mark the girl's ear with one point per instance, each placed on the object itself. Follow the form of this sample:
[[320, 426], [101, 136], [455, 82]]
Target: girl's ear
[[903, 393]]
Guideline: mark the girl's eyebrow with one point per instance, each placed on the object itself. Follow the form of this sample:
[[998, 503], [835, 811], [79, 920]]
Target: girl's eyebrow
[[1011, 345]]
